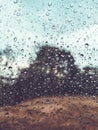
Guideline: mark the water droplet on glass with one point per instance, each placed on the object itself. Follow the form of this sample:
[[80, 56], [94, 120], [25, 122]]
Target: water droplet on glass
[[69, 20], [18, 14], [86, 45], [47, 14], [15, 39], [15, 1], [53, 27], [84, 22], [88, 16], [49, 3], [71, 5], [75, 11], [49, 18]]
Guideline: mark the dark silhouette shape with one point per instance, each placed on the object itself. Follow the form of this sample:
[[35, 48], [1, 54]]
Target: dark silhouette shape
[[52, 73]]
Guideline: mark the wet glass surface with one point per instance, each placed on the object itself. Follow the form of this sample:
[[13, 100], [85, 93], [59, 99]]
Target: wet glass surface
[[48, 64]]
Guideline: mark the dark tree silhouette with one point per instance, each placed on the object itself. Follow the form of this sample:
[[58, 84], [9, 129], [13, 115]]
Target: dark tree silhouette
[[53, 57], [52, 69], [52, 73], [90, 80]]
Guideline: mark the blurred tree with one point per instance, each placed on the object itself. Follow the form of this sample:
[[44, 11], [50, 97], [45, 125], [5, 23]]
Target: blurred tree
[[52, 73]]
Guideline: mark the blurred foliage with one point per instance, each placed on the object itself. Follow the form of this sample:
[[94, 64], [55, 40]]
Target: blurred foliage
[[52, 73]]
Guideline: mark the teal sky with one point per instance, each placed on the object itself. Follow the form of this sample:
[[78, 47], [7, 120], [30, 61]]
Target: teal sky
[[71, 23], [66, 15]]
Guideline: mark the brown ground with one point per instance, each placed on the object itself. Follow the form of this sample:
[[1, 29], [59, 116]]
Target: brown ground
[[52, 113]]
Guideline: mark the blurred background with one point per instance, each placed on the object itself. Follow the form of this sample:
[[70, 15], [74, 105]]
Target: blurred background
[[26, 25]]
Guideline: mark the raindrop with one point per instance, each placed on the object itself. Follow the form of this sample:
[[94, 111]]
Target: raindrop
[[18, 14], [10, 67], [71, 5], [90, 58], [86, 45], [15, 1], [22, 50], [49, 3], [47, 14], [69, 20], [88, 16], [49, 18], [15, 39], [81, 54], [29, 38], [75, 11], [84, 22], [53, 27]]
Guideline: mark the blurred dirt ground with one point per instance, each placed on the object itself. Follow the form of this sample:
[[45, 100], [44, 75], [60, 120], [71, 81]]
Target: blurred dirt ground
[[51, 113]]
